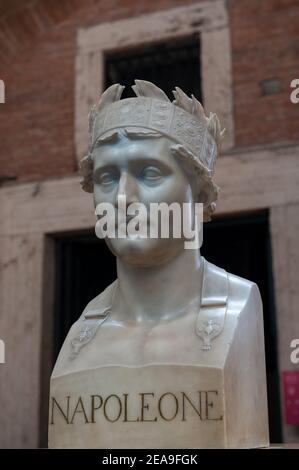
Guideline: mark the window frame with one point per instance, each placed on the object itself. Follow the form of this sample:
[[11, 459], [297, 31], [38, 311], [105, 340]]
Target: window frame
[[209, 20]]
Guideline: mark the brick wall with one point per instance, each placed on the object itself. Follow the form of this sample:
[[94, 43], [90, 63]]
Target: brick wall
[[37, 53], [265, 43]]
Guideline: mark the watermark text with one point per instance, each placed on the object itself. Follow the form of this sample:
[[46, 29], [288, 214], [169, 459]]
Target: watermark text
[[295, 353], [2, 351], [158, 220], [2, 91], [295, 93]]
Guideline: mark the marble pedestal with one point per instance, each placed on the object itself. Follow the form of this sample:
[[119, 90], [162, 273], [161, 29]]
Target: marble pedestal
[[154, 407]]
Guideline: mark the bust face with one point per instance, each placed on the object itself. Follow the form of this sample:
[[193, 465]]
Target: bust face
[[144, 171]]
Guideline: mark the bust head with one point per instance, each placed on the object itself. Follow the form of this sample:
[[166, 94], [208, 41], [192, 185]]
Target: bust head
[[151, 151]]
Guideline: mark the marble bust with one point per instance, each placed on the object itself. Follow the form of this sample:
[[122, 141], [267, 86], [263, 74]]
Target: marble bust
[[171, 355]]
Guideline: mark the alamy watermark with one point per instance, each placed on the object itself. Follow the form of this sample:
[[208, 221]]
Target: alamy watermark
[[2, 351], [294, 357], [159, 220], [2, 91], [294, 96]]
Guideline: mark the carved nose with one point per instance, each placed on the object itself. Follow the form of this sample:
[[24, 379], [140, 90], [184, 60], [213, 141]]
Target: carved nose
[[127, 187]]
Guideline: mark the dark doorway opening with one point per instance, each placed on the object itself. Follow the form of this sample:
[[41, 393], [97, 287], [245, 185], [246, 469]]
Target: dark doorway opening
[[241, 245]]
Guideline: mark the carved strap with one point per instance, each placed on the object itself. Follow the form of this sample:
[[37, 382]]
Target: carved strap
[[214, 301], [94, 315]]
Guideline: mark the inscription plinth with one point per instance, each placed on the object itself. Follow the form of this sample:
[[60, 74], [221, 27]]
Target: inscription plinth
[[154, 406]]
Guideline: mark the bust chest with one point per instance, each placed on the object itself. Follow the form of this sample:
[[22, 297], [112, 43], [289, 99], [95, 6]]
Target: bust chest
[[135, 344]]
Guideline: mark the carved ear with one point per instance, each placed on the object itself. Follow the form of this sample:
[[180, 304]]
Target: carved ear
[[182, 100], [148, 89]]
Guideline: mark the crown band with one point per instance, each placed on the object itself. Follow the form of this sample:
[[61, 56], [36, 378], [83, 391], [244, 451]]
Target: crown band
[[162, 117]]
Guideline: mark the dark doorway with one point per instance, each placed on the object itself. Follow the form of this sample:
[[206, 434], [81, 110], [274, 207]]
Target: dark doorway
[[167, 64], [241, 245]]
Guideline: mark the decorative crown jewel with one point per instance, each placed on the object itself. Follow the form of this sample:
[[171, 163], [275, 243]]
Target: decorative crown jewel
[[183, 120]]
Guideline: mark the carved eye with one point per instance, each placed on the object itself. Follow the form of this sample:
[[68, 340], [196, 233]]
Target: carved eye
[[151, 174], [106, 178]]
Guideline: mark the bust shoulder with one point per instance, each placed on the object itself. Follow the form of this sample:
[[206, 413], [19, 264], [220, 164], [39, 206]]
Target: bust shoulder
[[241, 289], [218, 284]]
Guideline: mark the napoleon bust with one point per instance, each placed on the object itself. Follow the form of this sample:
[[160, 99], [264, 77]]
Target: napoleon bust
[[171, 355]]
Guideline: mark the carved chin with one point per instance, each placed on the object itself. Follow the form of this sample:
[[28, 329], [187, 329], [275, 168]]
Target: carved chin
[[144, 252]]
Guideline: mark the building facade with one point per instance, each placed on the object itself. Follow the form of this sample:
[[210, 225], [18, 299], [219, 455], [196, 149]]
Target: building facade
[[55, 57]]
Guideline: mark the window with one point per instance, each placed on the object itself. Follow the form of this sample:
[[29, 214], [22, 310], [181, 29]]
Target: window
[[167, 64]]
